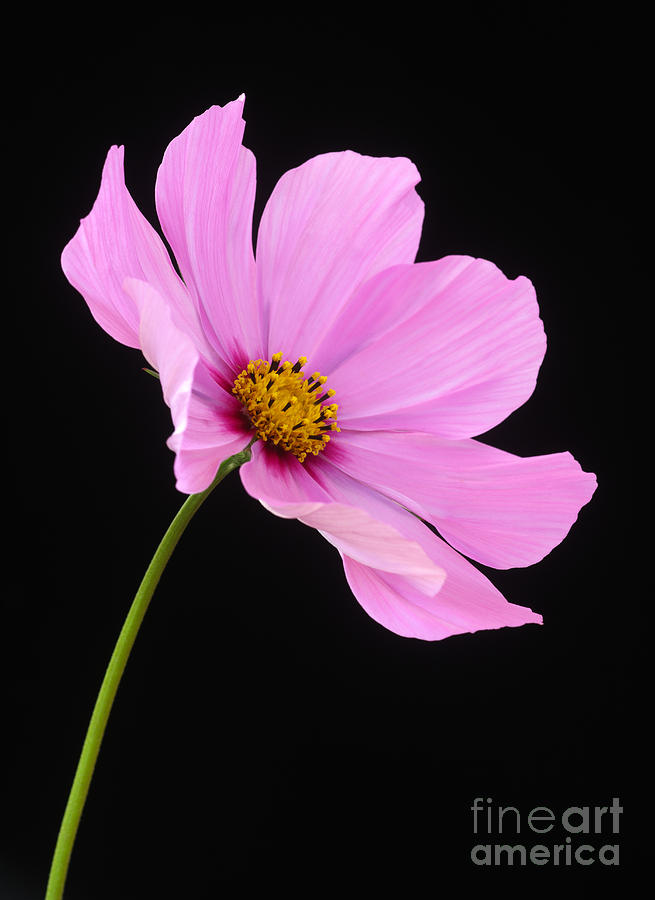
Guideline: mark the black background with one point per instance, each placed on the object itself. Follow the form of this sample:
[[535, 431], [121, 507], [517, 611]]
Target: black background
[[266, 730]]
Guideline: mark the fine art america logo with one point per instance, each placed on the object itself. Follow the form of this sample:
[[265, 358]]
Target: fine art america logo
[[583, 835]]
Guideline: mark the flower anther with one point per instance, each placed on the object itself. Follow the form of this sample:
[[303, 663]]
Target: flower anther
[[285, 407]]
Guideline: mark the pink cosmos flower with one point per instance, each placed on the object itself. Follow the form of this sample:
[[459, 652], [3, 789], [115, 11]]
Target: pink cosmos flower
[[331, 330]]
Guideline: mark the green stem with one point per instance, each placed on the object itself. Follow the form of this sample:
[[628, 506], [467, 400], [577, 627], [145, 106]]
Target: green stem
[[115, 669]]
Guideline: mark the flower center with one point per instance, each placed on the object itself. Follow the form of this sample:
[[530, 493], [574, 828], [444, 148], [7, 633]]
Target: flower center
[[285, 407]]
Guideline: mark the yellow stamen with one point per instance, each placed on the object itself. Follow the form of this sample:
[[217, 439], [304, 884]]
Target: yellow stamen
[[285, 407]]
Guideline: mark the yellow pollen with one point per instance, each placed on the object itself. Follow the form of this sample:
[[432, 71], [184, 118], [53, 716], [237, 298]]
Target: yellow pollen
[[285, 407]]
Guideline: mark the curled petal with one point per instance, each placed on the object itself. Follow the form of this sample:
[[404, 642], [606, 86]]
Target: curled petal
[[208, 424], [290, 492], [466, 602], [404, 576]]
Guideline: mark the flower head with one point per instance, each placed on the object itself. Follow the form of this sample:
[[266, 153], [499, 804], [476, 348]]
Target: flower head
[[364, 375]]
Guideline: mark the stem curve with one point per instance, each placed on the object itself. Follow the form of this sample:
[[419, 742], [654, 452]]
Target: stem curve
[[113, 675]]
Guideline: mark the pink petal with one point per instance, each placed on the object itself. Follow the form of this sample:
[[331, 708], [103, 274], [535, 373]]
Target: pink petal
[[281, 483], [205, 194], [501, 510], [115, 242], [464, 358], [286, 488], [381, 304], [394, 583], [466, 602], [208, 424], [328, 226], [395, 609]]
